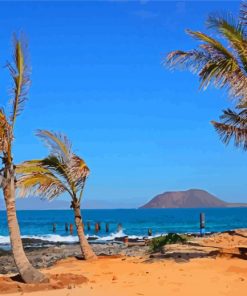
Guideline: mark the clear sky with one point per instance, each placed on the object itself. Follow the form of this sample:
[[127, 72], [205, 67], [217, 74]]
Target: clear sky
[[97, 75]]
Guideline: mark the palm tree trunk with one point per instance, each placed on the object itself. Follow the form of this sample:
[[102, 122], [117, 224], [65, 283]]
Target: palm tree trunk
[[28, 273], [86, 250]]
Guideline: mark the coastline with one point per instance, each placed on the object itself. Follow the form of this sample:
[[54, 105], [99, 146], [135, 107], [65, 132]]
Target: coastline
[[216, 261]]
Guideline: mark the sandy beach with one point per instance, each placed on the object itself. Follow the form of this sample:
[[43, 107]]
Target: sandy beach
[[191, 273], [134, 276]]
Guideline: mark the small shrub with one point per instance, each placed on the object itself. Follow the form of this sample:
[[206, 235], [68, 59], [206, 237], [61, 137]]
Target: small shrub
[[171, 238]]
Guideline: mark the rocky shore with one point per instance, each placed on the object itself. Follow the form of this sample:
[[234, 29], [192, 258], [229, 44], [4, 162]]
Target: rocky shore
[[43, 257]]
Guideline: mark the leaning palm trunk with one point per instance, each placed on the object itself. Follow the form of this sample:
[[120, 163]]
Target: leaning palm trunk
[[19, 72], [86, 250], [26, 270]]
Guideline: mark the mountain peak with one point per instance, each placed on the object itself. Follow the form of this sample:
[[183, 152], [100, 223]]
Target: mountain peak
[[191, 198]]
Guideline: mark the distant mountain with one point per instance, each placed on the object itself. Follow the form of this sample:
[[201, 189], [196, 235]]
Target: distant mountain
[[193, 198]]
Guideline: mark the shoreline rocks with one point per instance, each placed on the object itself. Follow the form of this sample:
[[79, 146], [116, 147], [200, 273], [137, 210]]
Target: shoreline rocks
[[42, 257]]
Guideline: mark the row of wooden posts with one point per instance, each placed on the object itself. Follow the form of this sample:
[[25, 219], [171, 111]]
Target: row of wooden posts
[[97, 227]]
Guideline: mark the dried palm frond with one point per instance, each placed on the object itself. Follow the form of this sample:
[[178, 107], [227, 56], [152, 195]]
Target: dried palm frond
[[5, 132], [243, 12], [233, 126], [20, 74], [61, 166], [78, 171], [58, 144]]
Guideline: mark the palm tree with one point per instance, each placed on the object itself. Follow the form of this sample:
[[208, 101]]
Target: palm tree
[[19, 72], [224, 63], [61, 171]]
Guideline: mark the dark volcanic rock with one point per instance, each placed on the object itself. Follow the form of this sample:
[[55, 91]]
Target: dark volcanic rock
[[47, 256], [193, 198]]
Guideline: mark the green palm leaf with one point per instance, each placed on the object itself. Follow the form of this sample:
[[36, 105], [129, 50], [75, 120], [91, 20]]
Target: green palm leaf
[[224, 66], [234, 33], [45, 185]]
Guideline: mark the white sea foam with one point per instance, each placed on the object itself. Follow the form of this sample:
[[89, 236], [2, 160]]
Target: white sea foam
[[4, 240], [73, 238], [48, 237], [63, 239], [113, 235]]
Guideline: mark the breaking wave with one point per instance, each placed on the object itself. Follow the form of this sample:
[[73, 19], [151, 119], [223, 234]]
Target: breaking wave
[[56, 238]]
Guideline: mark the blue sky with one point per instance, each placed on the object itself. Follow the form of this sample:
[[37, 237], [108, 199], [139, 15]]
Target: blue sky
[[97, 76]]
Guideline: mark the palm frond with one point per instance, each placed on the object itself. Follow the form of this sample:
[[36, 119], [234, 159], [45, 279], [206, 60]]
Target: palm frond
[[194, 60], [243, 12], [31, 166], [20, 74], [222, 66], [235, 118], [58, 144], [5, 132], [233, 126], [44, 185], [233, 32], [78, 171], [213, 63], [228, 132], [214, 46], [49, 166], [217, 72], [61, 168]]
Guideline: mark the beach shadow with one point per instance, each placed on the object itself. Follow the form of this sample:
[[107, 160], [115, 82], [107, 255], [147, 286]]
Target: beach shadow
[[234, 232], [203, 246], [79, 257], [17, 278], [181, 257]]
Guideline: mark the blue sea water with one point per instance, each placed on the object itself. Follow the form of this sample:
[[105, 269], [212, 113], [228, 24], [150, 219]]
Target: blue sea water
[[135, 222]]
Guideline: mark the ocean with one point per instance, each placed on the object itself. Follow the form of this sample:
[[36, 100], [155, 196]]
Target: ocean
[[135, 222]]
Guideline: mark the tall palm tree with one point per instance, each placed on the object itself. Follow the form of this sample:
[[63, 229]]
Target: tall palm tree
[[224, 63], [61, 171], [19, 72]]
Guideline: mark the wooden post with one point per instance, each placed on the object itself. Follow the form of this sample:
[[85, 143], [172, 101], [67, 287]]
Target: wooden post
[[107, 227], [149, 232], [96, 227], [66, 227], [202, 224], [71, 229], [88, 226], [54, 227]]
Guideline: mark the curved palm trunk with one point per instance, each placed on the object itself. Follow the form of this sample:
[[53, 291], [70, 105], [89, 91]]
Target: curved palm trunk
[[86, 249], [28, 273]]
